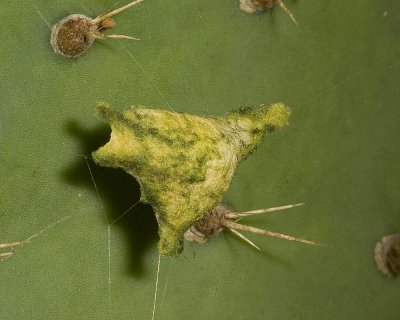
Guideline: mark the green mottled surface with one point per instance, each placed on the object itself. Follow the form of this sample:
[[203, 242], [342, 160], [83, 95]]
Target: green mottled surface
[[184, 163], [340, 74]]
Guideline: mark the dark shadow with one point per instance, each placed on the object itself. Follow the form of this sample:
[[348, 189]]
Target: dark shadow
[[118, 192]]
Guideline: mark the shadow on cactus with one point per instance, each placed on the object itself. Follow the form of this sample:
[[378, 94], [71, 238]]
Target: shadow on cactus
[[118, 192]]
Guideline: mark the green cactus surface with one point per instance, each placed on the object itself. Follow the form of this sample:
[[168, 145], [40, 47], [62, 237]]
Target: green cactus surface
[[88, 245]]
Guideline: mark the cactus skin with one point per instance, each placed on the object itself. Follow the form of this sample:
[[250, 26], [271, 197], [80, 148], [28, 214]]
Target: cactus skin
[[183, 162]]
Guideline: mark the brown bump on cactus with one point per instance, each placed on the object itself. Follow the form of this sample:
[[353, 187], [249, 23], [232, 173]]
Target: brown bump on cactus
[[252, 6], [73, 35], [387, 255]]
